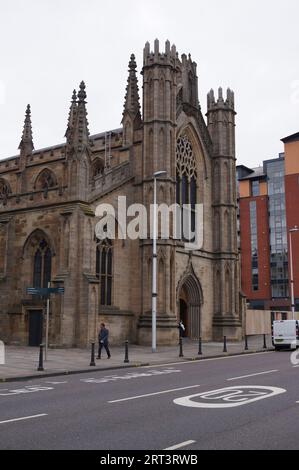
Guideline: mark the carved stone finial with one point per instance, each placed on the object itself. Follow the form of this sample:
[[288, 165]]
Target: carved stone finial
[[26, 145]]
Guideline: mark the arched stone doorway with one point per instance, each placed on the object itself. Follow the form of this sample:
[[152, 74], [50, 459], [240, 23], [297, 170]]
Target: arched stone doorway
[[36, 270], [189, 306]]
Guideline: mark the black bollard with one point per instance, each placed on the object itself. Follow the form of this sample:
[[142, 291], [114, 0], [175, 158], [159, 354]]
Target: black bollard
[[200, 347], [126, 361], [181, 348], [41, 359], [265, 342], [246, 343], [225, 345], [92, 361]]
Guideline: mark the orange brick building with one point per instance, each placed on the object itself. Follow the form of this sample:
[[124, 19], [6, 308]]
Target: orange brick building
[[291, 144]]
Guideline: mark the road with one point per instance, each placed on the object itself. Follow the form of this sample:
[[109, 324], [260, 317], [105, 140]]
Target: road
[[147, 409]]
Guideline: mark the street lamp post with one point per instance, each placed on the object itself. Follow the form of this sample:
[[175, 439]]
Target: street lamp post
[[293, 230], [47, 323], [154, 280]]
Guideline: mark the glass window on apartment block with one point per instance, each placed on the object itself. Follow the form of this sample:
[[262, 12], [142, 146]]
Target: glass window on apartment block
[[254, 247], [255, 188], [278, 229]]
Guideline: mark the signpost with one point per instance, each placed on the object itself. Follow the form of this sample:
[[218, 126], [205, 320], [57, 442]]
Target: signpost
[[46, 292]]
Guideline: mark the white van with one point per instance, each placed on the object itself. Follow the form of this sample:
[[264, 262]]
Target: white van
[[285, 334]]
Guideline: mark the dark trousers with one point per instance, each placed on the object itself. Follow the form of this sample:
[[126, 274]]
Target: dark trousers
[[101, 346]]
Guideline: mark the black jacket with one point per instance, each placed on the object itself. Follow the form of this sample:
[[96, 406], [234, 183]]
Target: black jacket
[[103, 336]]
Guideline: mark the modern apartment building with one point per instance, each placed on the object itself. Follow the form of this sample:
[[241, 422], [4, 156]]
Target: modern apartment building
[[268, 217]]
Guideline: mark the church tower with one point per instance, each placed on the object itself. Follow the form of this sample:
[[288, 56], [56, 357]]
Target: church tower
[[159, 143], [159, 110], [221, 125]]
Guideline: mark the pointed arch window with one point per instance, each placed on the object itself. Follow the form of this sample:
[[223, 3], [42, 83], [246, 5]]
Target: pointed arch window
[[185, 189], [4, 189], [104, 270], [186, 184], [46, 180], [179, 98], [162, 98], [98, 167], [42, 265]]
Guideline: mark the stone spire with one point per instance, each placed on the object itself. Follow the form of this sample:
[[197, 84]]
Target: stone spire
[[72, 118], [132, 102], [77, 133], [26, 145]]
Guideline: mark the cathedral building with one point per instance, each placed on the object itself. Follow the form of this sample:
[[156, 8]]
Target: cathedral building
[[48, 203]]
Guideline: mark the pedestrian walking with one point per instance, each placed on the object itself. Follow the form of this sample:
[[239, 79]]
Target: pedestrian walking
[[181, 329], [104, 341]]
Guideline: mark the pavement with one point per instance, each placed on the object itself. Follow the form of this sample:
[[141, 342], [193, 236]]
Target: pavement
[[21, 363]]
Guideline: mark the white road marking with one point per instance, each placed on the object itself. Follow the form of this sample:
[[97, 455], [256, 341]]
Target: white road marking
[[131, 375], [199, 361], [179, 446], [22, 419], [253, 375], [56, 383], [153, 394], [27, 389], [229, 397]]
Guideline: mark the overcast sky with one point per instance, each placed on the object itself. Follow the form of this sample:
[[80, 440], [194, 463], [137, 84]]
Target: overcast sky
[[48, 46]]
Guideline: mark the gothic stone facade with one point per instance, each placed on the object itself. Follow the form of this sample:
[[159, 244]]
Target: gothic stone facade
[[48, 200]]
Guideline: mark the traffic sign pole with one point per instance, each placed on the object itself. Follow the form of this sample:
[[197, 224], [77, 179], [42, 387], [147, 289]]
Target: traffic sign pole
[[46, 292]]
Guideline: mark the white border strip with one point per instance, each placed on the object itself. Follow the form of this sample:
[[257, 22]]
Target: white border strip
[[153, 394], [179, 446], [22, 419], [253, 375], [199, 361]]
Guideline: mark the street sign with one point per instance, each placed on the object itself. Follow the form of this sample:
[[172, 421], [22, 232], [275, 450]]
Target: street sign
[[37, 291], [43, 291], [56, 290]]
